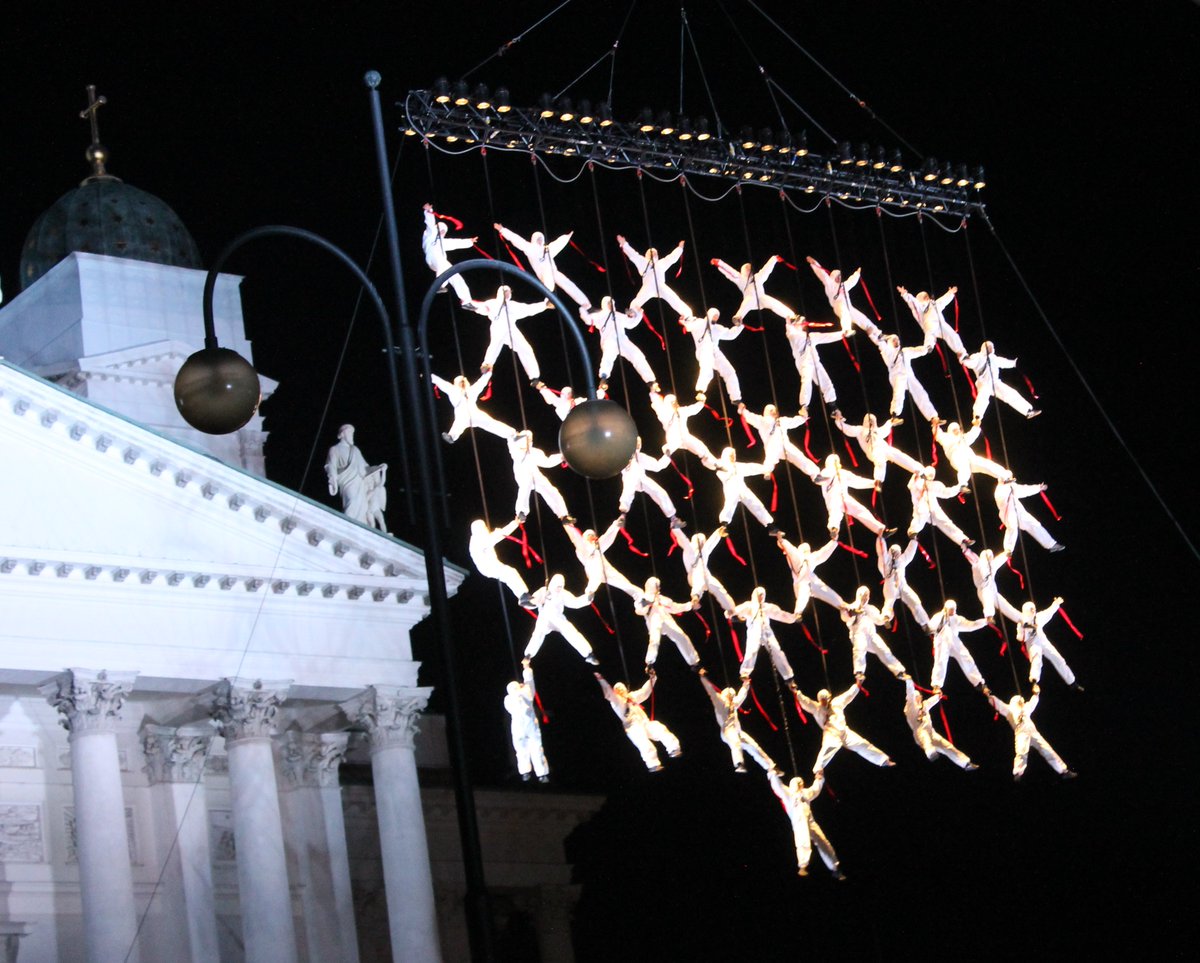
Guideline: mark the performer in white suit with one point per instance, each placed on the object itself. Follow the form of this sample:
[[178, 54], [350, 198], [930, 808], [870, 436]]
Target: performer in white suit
[[957, 445], [435, 244], [1019, 714], [726, 703], [772, 428], [758, 614], [947, 627], [640, 729], [659, 612], [986, 365], [802, 563], [932, 742], [541, 257], [503, 313], [1015, 517], [482, 549], [706, 335], [551, 601], [873, 440], [464, 399], [929, 314], [830, 714], [750, 284], [1031, 633], [614, 341], [862, 620], [837, 291], [892, 561], [526, 733], [804, 343], [796, 801], [653, 273]]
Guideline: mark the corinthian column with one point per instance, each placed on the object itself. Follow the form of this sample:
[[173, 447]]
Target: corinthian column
[[245, 712], [90, 703], [390, 716]]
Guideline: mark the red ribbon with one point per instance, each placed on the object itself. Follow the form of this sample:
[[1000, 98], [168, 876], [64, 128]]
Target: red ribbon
[[487, 392], [774, 493], [629, 543], [542, 709], [850, 451], [1046, 499], [750, 441], [687, 481], [850, 548], [646, 321], [526, 548], [812, 641], [512, 254], [1018, 573], [1029, 385], [733, 552], [703, 621], [945, 723], [483, 252], [598, 267], [1063, 613], [457, 224], [867, 292], [857, 366], [603, 621]]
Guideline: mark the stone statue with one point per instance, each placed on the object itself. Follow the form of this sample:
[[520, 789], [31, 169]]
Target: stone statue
[[360, 485]]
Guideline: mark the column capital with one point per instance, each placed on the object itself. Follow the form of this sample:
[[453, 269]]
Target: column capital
[[311, 759], [390, 714], [246, 709], [174, 755], [89, 700]]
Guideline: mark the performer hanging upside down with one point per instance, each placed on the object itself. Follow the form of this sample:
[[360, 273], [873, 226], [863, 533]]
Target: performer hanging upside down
[[695, 552], [802, 562], [726, 703], [673, 417], [464, 399], [528, 463], [754, 298], [732, 476], [653, 271], [435, 244], [808, 363], [892, 561], [635, 478], [898, 361], [986, 365], [541, 257], [615, 342], [873, 440], [932, 742], [773, 429], [1032, 635], [957, 446], [796, 801], [482, 549], [830, 714], [658, 610], [925, 491], [947, 625], [861, 618], [1019, 714], [640, 729], [504, 313], [707, 334], [758, 614], [835, 483], [590, 549], [1015, 517], [984, 567], [526, 733], [837, 291], [551, 601], [929, 315]]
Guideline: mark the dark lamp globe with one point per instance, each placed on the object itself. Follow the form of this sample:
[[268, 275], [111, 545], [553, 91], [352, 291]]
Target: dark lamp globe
[[597, 438], [217, 391]]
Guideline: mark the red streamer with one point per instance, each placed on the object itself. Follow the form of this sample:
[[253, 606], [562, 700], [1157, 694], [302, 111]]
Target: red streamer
[[454, 221], [850, 451], [750, 440], [603, 621], [774, 493], [598, 267], [1046, 499], [661, 340], [867, 292], [629, 543], [687, 481], [1018, 573], [1066, 618], [733, 552]]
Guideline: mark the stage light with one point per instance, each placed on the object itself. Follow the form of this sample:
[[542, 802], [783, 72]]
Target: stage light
[[784, 142], [880, 159], [766, 139], [565, 113], [502, 103], [546, 105], [684, 127], [646, 125], [585, 112], [947, 177], [702, 133], [897, 164], [980, 180], [605, 114], [964, 178], [864, 156], [747, 139], [665, 126], [802, 144], [441, 90], [460, 94], [845, 157], [930, 170], [482, 100]]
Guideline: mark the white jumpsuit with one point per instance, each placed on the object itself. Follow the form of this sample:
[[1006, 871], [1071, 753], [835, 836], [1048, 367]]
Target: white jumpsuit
[[600, 571], [524, 728], [947, 624], [634, 479], [898, 361], [986, 365], [984, 567], [1031, 633], [652, 270], [464, 399], [758, 614], [695, 552], [872, 439], [1016, 518], [754, 298], [551, 602], [658, 610], [932, 742], [929, 314], [640, 729], [797, 799], [830, 715], [835, 483], [435, 244], [732, 476], [772, 429], [673, 418], [862, 619], [1019, 714], [725, 705], [837, 290], [802, 562], [482, 549], [957, 445], [808, 363], [503, 314], [706, 336], [925, 492], [892, 566], [614, 342], [528, 463], [541, 259]]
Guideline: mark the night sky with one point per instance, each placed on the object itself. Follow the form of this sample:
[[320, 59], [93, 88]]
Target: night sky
[[1079, 113]]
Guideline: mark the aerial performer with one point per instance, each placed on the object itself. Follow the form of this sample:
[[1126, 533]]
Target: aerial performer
[[659, 612], [893, 561], [528, 463], [435, 244], [873, 440], [732, 476], [947, 625], [504, 313], [1032, 635], [635, 478], [541, 257], [804, 343], [674, 417], [932, 742], [726, 703], [758, 614], [862, 619], [1019, 714], [482, 549], [754, 298], [797, 801], [614, 342], [957, 445], [640, 729], [836, 482], [464, 399], [983, 573], [986, 365], [772, 428], [706, 335], [926, 491], [802, 563], [653, 273], [898, 360], [551, 601], [830, 714], [524, 728], [590, 549], [560, 401], [929, 314], [695, 552], [837, 290], [1015, 517]]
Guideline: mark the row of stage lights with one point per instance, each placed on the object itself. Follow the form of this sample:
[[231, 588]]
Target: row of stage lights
[[760, 152]]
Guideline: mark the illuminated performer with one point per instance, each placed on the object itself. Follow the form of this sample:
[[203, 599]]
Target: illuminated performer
[[435, 244], [754, 298], [673, 417], [772, 428], [590, 549], [925, 491], [653, 271], [551, 601], [561, 401], [802, 562], [758, 614], [830, 713], [983, 573], [808, 363], [893, 561], [614, 342], [640, 729], [726, 703], [898, 360], [947, 625], [932, 742], [862, 619], [1019, 714], [796, 801], [695, 552], [836, 482], [658, 611], [873, 440], [464, 399], [635, 478], [1031, 634], [957, 445], [837, 290], [986, 365], [1015, 517], [504, 313], [732, 476], [528, 463], [524, 728], [929, 314], [706, 335], [541, 256], [482, 549]]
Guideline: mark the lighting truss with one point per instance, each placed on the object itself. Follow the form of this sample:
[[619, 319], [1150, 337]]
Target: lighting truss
[[857, 177]]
